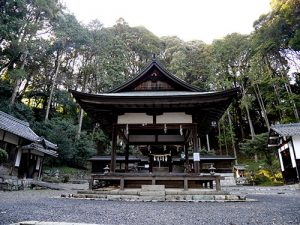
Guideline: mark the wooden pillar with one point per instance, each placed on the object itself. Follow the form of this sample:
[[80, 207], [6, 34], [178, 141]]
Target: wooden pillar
[[185, 184], [170, 164], [207, 142], [186, 153], [41, 167], [150, 163], [28, 164], [196, 149], [113, 149], [126, 157]]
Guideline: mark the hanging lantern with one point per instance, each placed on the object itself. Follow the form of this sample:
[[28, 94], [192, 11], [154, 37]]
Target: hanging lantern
[[180, 130], [165, 128]]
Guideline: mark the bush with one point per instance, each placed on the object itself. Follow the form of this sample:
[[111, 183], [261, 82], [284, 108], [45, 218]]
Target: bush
[[71, 152], [3, 156]]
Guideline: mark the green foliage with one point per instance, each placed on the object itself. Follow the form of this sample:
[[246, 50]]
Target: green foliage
[[95, 59], [259, 145], [3, 156], [70, 150], [17, 74], [18, 110], [267, 170], [260, 173], [84, 149]]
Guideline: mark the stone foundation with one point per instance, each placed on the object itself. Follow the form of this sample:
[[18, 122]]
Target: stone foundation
[[158, 193]]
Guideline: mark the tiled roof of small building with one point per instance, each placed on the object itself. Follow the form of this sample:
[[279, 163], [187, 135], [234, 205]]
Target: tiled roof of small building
[[287, 129], [21, 128], [39, 147]]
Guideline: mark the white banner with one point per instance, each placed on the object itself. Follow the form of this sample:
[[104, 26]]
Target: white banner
[[196, 156]]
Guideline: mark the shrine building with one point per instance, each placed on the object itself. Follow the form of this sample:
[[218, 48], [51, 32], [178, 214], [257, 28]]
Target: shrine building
[[160, 114]]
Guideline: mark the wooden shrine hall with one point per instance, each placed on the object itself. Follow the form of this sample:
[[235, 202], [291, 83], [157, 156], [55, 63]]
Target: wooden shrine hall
[[162, 115]]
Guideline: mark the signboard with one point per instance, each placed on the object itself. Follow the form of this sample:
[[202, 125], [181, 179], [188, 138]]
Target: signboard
[[196, 156]]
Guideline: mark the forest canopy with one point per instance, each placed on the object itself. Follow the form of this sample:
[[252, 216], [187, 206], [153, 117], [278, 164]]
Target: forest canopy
[[44, 51]]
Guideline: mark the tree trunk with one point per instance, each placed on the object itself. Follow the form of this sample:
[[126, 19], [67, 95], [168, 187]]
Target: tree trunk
[[219, 141], [225, 139], [53, 86], [289, 91], [248, 117], [262, 106], [81, 110], [18, 82], [232, 138], [79, 124], [250, 122], [278, 100]]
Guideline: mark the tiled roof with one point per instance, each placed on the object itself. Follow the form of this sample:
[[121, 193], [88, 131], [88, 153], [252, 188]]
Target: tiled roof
[[40, 148], [155, 63], [21, 128], [155, 93], [239, 167], [287, 129]]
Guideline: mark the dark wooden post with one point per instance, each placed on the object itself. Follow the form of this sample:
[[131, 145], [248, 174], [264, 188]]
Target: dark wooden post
[[196, 148], [150, 163], [113, 149], [186, 153], [126, 157], [169, 158], [28, 164]]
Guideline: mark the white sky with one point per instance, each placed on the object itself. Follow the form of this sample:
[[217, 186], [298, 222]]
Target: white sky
[[204, 20]]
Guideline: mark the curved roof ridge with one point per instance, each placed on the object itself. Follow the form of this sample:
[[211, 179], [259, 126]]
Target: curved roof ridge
[[156, 63], [288, 129], [22, 129]]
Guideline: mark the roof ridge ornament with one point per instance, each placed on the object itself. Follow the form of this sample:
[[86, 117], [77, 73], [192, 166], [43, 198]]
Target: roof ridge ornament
[[153, 57]]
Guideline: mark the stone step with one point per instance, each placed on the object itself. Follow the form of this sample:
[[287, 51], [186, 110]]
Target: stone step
[[152, 198], [195, 198], [152, 193], [195, 192], [116, 192], [153, 188]]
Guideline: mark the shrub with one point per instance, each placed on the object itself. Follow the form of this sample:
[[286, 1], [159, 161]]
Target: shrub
[[3, 156]]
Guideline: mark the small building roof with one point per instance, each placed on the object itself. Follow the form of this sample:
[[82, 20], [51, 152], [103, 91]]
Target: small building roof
[[239, 167], [40, 148], [21, 128], [291, 129]]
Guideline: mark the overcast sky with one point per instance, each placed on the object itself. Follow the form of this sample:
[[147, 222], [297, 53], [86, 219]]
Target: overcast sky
[[204, 20]]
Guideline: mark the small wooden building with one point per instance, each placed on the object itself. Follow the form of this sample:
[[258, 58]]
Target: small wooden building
[[286, 137], [26, 150], [161, 114]]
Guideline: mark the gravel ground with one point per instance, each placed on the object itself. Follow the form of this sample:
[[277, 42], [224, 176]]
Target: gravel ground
[[274, 206]]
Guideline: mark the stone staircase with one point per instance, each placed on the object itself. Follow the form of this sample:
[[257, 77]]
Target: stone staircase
[[157, 193], [153, 193]]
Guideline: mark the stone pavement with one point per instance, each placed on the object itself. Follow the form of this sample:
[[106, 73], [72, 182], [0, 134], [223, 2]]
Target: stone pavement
[[51, 223], [274, 205]]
